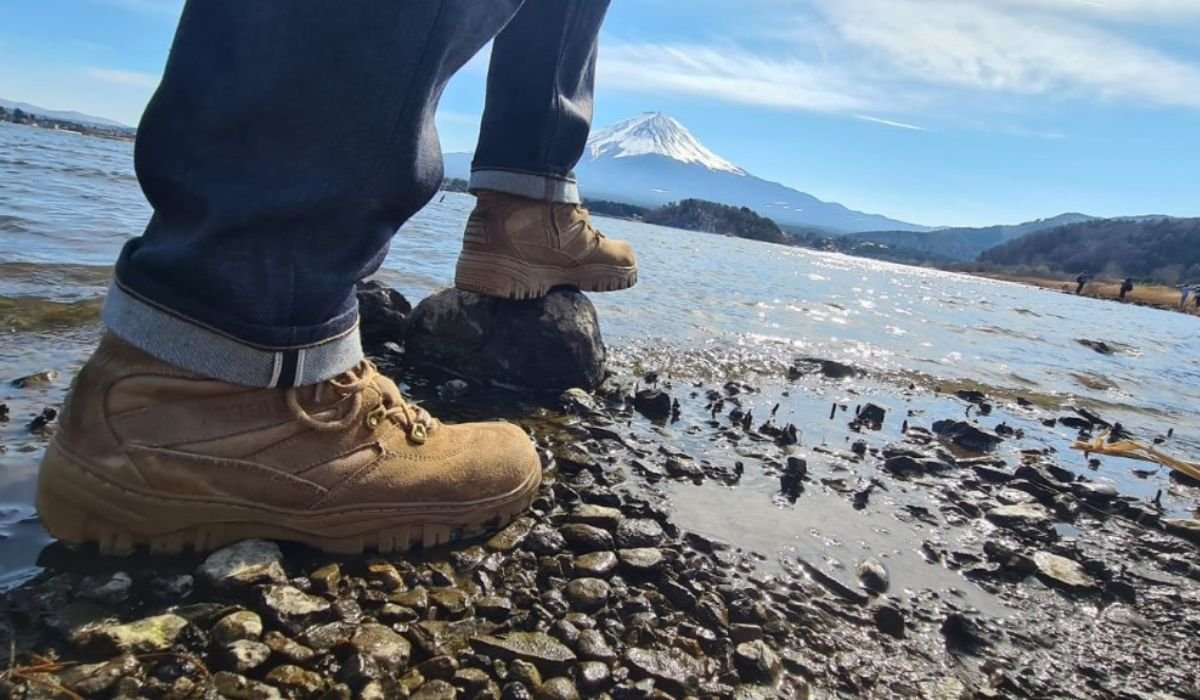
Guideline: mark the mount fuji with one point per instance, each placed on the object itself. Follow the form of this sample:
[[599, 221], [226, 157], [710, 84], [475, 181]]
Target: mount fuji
[[652, 159]]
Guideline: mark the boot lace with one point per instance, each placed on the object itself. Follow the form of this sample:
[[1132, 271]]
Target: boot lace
[[414, 420]]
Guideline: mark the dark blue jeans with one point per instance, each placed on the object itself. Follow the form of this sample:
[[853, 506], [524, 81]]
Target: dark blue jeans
[[290, 139]]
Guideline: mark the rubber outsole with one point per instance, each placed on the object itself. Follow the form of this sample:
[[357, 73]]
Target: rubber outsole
[[510, 278], [78, 507]]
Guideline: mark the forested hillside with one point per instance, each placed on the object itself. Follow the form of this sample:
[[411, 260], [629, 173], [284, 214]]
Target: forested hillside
[[699, 215], [1160, 249]]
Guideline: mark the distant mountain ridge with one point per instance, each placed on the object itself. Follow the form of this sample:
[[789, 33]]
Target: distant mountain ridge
[[66, 116], [652, 159], [963, 243]]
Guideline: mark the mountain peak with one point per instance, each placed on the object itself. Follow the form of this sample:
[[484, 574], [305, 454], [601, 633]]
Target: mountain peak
[[655, 133]]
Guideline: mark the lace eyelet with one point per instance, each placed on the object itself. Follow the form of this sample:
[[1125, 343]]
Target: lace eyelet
[[418, 433], [375, 417]]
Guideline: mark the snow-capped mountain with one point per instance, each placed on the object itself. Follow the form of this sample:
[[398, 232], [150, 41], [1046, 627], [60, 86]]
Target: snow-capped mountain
[[652, 159], [654, 133]]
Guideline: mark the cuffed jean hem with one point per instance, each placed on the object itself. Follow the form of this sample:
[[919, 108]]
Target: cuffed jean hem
[[210, 353], [543, 187]]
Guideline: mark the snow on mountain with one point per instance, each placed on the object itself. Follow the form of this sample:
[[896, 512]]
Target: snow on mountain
[[654, 133]]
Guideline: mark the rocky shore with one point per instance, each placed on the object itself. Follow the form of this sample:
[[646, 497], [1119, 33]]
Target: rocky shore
[[1060, 586]]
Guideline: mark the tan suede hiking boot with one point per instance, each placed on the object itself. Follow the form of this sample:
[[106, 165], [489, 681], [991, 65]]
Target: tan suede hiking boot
[[520, 248], [151, 455]]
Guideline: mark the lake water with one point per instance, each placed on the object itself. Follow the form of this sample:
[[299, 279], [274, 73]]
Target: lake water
[[706, 306]]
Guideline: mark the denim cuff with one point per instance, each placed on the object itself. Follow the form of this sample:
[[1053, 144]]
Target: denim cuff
[[197, 348], [523, 184]]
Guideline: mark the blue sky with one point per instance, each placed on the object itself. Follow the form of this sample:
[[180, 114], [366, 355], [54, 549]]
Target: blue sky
[[942, 112]]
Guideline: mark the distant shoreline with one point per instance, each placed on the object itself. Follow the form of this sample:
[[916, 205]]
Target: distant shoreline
[[96, 130], [1152, 295]]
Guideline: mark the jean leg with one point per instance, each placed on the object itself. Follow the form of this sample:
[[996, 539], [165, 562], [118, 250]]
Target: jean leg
[[539, 100], [287, 142]]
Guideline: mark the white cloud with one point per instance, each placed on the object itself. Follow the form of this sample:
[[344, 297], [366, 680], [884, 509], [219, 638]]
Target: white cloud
[[124, 77], [890, 122]]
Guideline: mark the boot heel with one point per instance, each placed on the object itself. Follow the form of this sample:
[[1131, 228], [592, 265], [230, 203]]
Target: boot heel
[[498, 276]]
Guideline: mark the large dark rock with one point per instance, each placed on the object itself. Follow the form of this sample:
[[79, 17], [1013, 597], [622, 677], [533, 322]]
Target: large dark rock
[[967, 436], [383, 314], [549, 344]]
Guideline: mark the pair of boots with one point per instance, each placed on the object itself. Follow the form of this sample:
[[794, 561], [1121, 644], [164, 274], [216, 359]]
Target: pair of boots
[[149, 455]]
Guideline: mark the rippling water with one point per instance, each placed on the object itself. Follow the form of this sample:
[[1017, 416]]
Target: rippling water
[[705, 305]]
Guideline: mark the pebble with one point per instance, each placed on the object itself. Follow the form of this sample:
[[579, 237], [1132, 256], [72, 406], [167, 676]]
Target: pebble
[[1063, 572], [94, 679], [602, 517], [640, 560], [639, 532], [38, 379], [106, 590], [586, 538], [291, 607], [596, 564], [245, 655], [326, 578], [756, 663], [512, 536], [538, 648], [559, 688], [671, 669], [544, 539], [148, 635], [712, 611], [873, 576], [296, 681], [525, 673], [242, 564], [382, 645], [435, 690], [587, 594], [233, 685], [592, 646], [236, 626], [594, 677], [1020, 515]]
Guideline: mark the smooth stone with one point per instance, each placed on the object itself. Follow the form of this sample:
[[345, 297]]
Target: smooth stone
[[538, 648], [443, 667], [109, 590], [549, 344], [296, 681], [588, 594], [471, 680], [417, 599], [148, 635], [639, 532], [559, 688], [38, 379], [382, 645], [288, 648], [451, 601], [596, 564], [326, 578], [327, 636], [244, 563], [242, 624], [592, 646], [586, 538], [873, 576], [545, 540], [1061, 571], [594, 676], [435, 690], [493, 607], [640, 559], [671, 669], [511, 536], [525, 673], [712, 611], [1020, 515], [383, 313], [597, 516], [245, 655], [756, 662], [293, 607], [94, 679]]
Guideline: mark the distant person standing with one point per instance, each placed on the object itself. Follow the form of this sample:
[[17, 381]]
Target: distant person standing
[[1126, 287], [1184, 290], [1082, 280]]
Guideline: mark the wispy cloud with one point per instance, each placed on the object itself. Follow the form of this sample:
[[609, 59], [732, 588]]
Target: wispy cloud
[[890, 122], [124, 77]]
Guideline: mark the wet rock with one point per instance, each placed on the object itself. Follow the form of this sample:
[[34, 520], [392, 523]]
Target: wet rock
[[435, 690], [967, 436], [890, 620], [244, 563], [148, 635], [383, 314], [382, 645], [592, 646], [106, 590], [1062, 572], [511, 536], [586, 538], [515, 691], [587, 594], [38, 379], [544, 539], [594, 677], [640, 560], [596, 564], [244, 655], [870, 416], [470, 681], [743, 632], [538, 648], [712, 611], [963, 633], [639, 532], [757, 663], [653, 403], [525, 673], [493, 607], [441, 667], [1098, 345], [670, 669], [1020, 516], [603, 517], [1098, 493], [94, 679], [873, 576], [948, 688], [560, 688], [578, 401], [296, 681], [238, 687], [549, 344], [683, 469], [326, 578], [288, 649], [236, 626], [1188, 529], [292, 608], [416, 599], [827, 368]]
